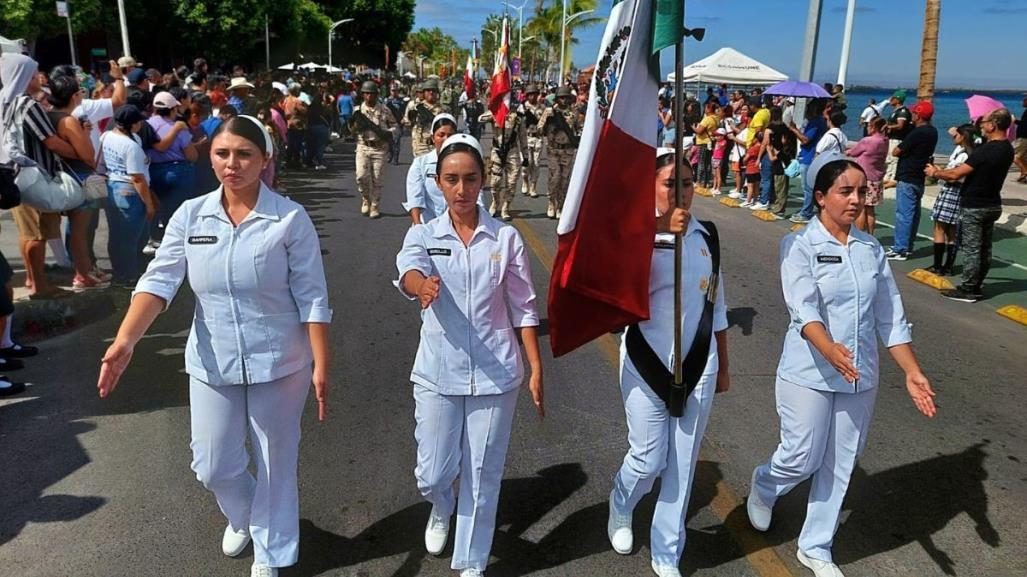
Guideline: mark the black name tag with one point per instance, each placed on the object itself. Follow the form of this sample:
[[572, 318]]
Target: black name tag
[[829, 258], [439, 252], [203, 240], [664, 245]]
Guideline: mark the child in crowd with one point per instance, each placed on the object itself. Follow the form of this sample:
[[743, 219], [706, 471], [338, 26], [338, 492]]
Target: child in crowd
[[752, 173], [719, 150], [945, 213]]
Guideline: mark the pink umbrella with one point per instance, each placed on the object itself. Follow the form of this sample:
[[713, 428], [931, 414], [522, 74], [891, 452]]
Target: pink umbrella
[[980, 105]]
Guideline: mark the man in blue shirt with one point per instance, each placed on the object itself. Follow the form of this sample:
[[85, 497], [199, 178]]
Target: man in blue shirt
[[808, 137], [345, 104]]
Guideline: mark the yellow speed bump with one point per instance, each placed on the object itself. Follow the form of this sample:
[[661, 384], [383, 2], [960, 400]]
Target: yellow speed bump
[[764, 215], [797, 227], [731, 202], [1015, 313], [930, 279], [703, 192]]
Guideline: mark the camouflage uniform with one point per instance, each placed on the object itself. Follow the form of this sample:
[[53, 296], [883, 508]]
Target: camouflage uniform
[[504, 171], [371, 155], [533, 154], [420, 132], [562, 149]]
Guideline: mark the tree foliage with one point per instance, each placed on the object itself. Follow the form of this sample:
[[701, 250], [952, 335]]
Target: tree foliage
[[435, 46], [31, 19]]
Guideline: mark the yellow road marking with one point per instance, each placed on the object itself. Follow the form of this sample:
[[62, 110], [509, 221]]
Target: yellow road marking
[[1015, 313], [930, 279], [761, 556], [731, 202]]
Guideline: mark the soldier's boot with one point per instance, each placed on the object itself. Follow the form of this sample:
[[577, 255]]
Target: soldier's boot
[[373, 212], [551, 209], [492, 207], [365, 206], [505, 215]]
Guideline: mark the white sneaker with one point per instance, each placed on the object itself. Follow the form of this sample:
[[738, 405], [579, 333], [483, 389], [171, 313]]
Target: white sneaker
[[234, 542], [715, 191], [373, 213], [365, 206], [151, 248], [734, 194], [263, 571], [759, 206], [472, 572], [436, 533], [551, 210], [666, 570], [745, 204], [818, 567], [759, 514], [618, 529]]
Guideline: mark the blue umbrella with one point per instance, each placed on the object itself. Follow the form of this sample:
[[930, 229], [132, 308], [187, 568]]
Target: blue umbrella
[[798, 88]]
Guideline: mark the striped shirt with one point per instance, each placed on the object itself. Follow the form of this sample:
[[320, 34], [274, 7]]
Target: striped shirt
[[36, 127]]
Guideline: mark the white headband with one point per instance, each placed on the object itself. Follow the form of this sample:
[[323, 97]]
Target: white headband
[[269, 146]]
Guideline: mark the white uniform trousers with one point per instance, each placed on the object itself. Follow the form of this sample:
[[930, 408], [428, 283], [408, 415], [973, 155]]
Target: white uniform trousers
[[466, 437], [269, 414], [822, 435], [664, 447]]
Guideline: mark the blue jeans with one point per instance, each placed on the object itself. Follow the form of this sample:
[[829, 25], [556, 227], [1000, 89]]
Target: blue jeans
[[766, 181], [907, 214], [318, 137], [126, 221], [173, 183], [808, 206]]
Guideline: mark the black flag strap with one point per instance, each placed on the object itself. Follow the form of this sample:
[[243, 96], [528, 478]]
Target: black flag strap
[[650, 366]]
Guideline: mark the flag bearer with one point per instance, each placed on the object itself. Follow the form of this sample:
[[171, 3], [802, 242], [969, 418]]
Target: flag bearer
[[661, 445], [470, 274], [842, 297], [509, 146]]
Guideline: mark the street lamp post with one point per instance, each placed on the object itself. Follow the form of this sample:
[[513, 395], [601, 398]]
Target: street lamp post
[[331, 31], [520, 23], [125, 49], [563, 35]]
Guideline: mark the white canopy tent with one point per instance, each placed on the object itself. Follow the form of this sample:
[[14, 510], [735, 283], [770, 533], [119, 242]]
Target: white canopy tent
[[729, 66]]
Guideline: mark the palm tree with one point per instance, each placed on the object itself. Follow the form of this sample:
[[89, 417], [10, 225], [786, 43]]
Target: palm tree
[[547, 25], [929, 52]]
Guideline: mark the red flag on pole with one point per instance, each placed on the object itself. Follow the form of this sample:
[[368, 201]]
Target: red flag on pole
[[499, 93], [469, 77]]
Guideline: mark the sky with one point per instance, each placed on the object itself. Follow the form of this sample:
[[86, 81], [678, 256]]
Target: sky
[[980, 42]]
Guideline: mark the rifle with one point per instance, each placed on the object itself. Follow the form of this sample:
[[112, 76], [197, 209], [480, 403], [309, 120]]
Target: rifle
[[529, 118], [424, 116], [364, 125], [561, 125]]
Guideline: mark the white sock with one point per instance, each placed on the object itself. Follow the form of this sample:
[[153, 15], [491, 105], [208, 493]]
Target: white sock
[[60, 253], [6, 342]]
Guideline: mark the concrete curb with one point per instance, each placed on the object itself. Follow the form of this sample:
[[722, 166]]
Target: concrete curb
[[38, 320]]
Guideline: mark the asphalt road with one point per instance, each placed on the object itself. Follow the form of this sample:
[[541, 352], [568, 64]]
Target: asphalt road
[[103, 488]]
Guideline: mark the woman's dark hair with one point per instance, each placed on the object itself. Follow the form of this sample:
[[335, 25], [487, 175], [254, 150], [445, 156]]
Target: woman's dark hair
[[878, 124], [63, 70], [668, 159], [968, 131], [776, 114], [462, 147], [244, 128], [830, 173], [179, 93], [815, 108], [62, 89], [838, 118], [435, 126]]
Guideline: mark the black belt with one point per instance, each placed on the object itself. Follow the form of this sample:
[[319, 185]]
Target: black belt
[[650, 366]]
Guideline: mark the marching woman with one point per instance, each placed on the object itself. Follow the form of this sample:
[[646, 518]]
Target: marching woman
[[425, 200], [470, 274], [258, 340], [663, 435], [841, 297]]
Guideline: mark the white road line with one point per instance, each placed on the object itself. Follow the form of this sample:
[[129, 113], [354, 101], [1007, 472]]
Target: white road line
[[993, 257]]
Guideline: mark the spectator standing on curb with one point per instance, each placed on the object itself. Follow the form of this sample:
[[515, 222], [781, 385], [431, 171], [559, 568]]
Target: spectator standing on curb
[[984, 174], [914, 153], [172, 172], [808, 138], [870, 153], [900, 123], [1020, 144], [946, 207]]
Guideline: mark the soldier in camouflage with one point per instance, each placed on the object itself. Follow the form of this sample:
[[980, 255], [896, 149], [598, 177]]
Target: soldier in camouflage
[[372, 147], [509, 145], [419, 116], [532, 110], [562, 141]]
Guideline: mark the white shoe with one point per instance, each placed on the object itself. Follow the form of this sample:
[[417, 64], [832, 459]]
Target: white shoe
[[436, 533], [759, 514], [551, 211], [263, 571], [373, 213], [759, 206], [472, 572], [151, 248], [818, 567], [745, 204], [365, 206], [734, 194], [666, 570], [234, 542], [715, 191], [618, 529]]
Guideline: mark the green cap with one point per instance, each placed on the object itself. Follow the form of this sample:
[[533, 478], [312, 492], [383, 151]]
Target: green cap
[[899, 95], [564, 91], [430, 84]]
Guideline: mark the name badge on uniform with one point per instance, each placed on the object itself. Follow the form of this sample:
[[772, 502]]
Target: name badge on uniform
[[664, 245], [439, 252], [829, 258], [203, 239]]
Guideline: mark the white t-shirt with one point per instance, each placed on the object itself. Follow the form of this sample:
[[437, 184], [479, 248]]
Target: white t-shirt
[[97, 111], [834, 140], [738, 150], [868, 114], [124, 156]]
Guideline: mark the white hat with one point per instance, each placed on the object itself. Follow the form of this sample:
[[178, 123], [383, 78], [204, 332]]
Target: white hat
[[819, 162], [128, 62], [164, 100], [464, 139], [280, 87], [442, 116], [239, 82]]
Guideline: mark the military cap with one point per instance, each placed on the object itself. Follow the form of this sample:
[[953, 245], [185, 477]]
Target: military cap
[[368, 86], [564, 91]]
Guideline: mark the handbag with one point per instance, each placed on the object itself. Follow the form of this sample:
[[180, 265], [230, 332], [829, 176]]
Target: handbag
[[792, 170], [95, 186], [39, 190]]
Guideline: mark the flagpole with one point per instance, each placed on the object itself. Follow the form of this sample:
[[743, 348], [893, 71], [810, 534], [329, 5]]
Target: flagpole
[[676, 403]]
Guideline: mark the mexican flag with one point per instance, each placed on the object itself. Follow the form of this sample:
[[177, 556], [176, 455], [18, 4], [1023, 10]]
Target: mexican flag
[[499, 93], [469, 77], [600, 279]]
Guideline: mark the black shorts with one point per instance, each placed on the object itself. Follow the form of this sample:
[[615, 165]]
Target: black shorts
[[752, 178], [6, 304]]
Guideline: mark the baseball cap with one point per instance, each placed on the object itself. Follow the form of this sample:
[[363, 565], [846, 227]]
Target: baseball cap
[[899, 95], [924, 109], [128, 115], [136, 76], [128, 61], [164, 100]]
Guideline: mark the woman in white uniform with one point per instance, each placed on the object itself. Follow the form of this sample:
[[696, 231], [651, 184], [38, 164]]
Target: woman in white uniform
[[425, 200], [841, 297], [665, 429], [258, 340], [470, 274]]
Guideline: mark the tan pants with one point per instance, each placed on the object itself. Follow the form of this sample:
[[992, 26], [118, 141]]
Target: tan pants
[[504, 176], [891, 163], [370, 172], [531, 170], [419, 141], [561, 161]]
